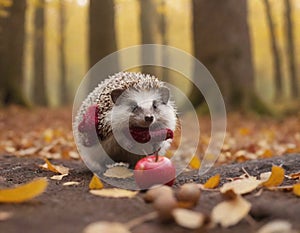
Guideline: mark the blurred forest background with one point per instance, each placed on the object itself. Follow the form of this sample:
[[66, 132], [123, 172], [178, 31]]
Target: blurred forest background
[[250, 47]]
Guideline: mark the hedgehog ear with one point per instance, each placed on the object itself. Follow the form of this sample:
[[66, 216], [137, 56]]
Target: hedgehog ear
[[115, 94], [165, 94]]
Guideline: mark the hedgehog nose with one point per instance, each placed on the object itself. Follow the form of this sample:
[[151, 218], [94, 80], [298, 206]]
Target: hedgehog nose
[[149, 119]]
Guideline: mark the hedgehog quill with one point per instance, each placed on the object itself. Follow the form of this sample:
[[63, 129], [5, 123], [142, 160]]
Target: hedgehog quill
[[131, 115]]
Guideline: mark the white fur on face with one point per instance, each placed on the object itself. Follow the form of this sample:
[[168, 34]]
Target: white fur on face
[[123, 115]]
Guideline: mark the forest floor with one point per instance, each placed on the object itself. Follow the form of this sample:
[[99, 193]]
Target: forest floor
[[252, 144]]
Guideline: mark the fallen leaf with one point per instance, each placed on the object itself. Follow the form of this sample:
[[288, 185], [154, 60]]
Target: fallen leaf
[[212, 182], [195, 162], [241, 186], [293, 176], [114, 193], [120, 172], [23, 192], [230, 212], [107, 227], [69, 183], [55, 168], [276, 178], [4, 215], [296, 189], [276, 226], [265, 176], [95, 183], [58, 177], [188, 218]]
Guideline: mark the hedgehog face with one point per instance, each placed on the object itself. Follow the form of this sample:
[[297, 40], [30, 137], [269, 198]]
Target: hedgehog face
[[141, 108]]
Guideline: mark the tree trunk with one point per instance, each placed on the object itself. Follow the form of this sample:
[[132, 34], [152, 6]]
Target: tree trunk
[[64, 97], [102, 30], [276, 56], [149, 32], [102, 35], [39, 81], [164, 40], [222, 44], [291, 50], [12, 36]]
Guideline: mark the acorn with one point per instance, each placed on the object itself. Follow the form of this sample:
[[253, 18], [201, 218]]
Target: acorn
[[188, 195]]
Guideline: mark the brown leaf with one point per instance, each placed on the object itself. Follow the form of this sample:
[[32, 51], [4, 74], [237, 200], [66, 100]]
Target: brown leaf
[[188, 218], [107, 227], [4, 215], [69, 183], [277, 226], [120, 172], [230, 212], [241, 186], [55, 168], [114, 193]]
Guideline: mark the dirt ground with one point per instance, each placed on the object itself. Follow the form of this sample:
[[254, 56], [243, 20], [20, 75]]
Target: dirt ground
[[63, 209]]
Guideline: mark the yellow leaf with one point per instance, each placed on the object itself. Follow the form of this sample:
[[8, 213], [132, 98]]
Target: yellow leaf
[[48, 135], [212, 182], [276, 178], [114, 193], [55, 168], [195, 162], [95, 183], [244, 131], [23, 192], [296, 189]]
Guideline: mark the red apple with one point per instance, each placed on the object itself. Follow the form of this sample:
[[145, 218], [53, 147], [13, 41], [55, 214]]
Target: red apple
[[153, 170]]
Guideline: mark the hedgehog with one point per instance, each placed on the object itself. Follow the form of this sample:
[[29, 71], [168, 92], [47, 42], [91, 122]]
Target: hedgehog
[[130, 114]]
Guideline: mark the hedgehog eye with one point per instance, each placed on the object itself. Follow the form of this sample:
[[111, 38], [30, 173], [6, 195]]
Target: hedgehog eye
[[154, 105], [134, 107]]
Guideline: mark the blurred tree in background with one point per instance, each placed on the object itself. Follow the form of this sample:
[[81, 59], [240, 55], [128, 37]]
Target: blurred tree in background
[[222, 44], [275, 51], [39, 79], [248, 46], [12, 37]]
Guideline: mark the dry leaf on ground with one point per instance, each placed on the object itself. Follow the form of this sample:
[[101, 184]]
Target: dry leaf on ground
[[276, 178], [188, 218], [70, 183], [120, 172], [55, 168], [212, 182], [4, 215], [277, 226], [195, 162], [95, 183], [296, 189], [107, 227], [114, 193], [58, 177], [293, 176], [23, 192], [230, 212], [241, 186]]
